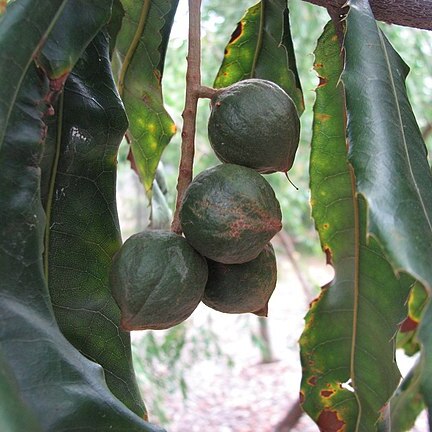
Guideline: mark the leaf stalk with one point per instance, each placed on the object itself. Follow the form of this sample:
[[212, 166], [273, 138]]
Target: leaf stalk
[[51, 191]]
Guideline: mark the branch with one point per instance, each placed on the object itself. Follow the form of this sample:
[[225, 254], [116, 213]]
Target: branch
[[193, 86], [194, 91], [408, 13]]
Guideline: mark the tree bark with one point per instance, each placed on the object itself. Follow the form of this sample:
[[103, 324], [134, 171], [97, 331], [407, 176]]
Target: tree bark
[[408, 13], [193, 83]]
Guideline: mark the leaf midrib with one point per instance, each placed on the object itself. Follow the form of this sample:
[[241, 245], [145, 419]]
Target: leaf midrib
[[356, 290], [133, 46], [53, 177]]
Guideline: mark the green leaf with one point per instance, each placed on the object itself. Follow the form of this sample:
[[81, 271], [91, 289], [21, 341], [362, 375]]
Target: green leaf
[[407, 336], [27, 24], [115, 23], [261, 47], [22, 17], [15, 415], [347, 347], [84, 234], [62, 49], [141, 46], [386, 147], [407, 403], [425, 366], [64, 390]]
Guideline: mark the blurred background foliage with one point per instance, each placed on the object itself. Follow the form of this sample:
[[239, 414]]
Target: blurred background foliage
[[162, 359]]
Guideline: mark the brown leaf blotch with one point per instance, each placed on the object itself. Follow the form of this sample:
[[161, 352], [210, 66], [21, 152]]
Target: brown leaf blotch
[[313, 302], [323, 117], [408, 325], [312, 380], [322, 81], [328, 421], [301, 397], [329, 256], [131, 159], [237, 32], [326, 393]]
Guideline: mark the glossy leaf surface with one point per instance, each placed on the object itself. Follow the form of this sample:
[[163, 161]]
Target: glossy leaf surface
[[347, 347], [425, 365], [141, 46], [43, 361], [62, 49], [115, 24], [407, 402], [84, 232], [64, 390], [386, 147], [43, 12], [261, 47], [56, 54], [15, 415]]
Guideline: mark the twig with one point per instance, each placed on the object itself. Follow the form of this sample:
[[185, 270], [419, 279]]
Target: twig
[[194, 90], [207, 92], [408, 13]]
